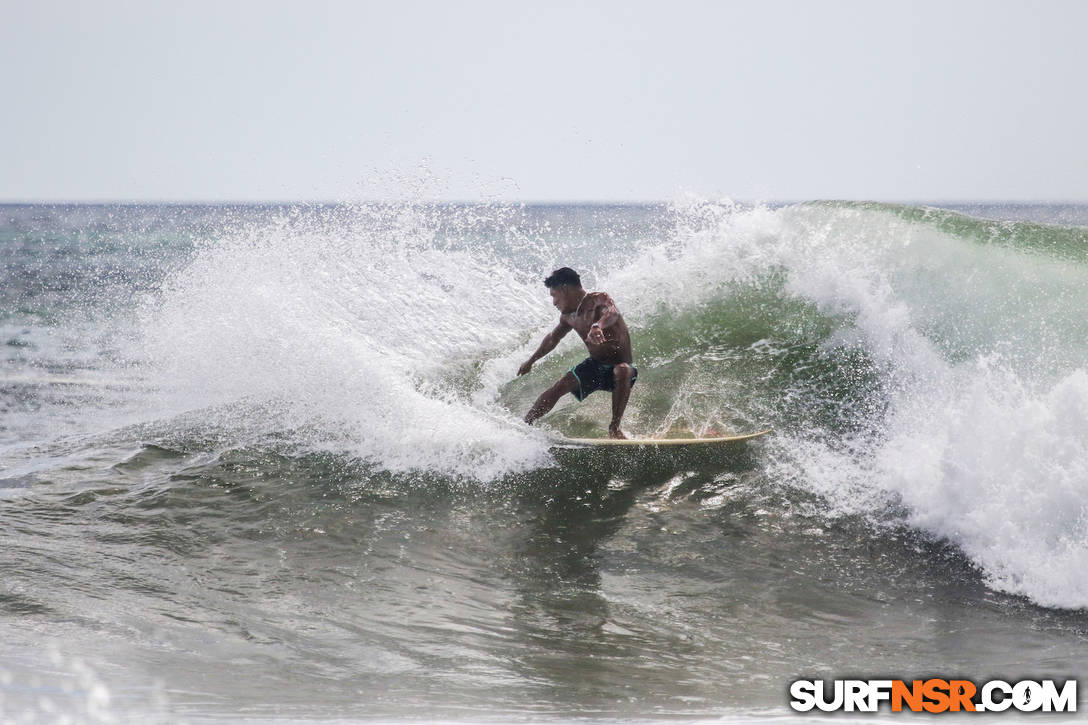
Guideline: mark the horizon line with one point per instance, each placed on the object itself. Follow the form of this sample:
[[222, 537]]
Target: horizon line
[[525, 202]]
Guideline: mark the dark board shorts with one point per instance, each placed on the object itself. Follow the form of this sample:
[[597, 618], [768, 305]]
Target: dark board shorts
[[593, 376]]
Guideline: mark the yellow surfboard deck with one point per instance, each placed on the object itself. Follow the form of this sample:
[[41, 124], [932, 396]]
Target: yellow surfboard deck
[[662, 442]]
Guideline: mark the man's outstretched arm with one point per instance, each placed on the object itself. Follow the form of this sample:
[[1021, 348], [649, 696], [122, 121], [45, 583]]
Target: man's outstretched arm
[[547, 345]]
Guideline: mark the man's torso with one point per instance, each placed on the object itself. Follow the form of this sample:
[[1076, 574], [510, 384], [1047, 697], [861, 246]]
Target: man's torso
[[616, 347]]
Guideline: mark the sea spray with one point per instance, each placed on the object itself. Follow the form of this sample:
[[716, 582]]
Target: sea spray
[[352, 322]]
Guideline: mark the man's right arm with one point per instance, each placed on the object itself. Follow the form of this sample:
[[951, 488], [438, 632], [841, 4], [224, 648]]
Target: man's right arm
[[547, 345]]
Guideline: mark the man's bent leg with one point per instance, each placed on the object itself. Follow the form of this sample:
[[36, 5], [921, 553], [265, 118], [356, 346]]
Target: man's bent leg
[[620, 393], [547, 400]]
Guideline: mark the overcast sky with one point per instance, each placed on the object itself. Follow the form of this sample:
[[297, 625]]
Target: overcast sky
[[548, 101]]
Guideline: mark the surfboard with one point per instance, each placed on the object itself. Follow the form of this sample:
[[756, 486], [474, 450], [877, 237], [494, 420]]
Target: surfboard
[[662, 442]]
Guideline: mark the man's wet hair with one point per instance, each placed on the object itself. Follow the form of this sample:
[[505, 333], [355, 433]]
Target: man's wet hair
[[561, 276]]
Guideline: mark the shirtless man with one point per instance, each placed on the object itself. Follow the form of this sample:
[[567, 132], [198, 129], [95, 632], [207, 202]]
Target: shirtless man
[[594, 317]]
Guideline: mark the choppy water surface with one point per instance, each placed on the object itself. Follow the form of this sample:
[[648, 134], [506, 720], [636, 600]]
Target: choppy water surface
[[267, 461]]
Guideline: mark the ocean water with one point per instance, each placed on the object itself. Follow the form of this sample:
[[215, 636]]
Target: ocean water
[[266, 462]]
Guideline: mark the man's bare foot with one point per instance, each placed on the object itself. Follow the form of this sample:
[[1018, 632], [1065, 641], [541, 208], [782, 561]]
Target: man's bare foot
[[615, 432]]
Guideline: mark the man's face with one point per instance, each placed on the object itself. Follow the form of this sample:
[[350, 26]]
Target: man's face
[[557, 297]]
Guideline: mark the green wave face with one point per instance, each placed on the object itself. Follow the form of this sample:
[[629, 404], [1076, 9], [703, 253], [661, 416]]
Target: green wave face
[[804, 317]]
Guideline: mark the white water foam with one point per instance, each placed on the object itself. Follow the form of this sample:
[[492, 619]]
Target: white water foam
[[348, 324], [985, 438], [999, 468]]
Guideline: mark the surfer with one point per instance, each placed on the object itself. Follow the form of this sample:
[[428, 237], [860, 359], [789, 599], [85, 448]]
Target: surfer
[[594, 316]]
